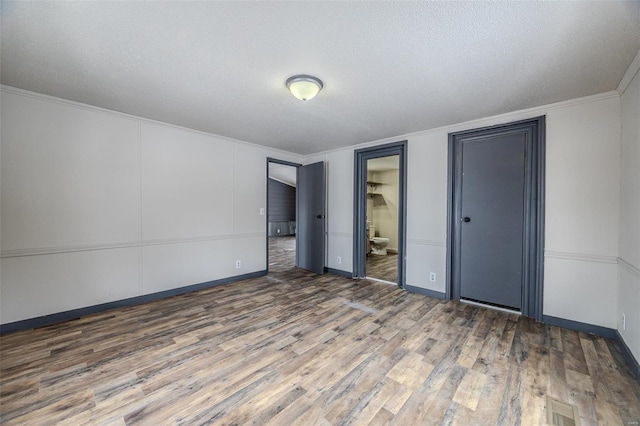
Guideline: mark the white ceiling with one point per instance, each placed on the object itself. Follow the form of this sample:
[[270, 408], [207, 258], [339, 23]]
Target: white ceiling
[[389, 68]]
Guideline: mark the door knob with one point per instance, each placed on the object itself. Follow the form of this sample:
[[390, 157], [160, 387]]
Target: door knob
[[320, 216], [467, 219]]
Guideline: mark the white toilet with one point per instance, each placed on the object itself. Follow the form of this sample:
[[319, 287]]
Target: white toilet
[[378, 244]]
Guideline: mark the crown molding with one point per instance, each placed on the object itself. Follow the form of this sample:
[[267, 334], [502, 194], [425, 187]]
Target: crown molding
[[507, 117], [628, 76], [87, 107]]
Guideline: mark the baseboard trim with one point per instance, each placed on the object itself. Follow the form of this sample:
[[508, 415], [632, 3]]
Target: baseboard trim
[[610, 333], [425, 292], [632, 362], [45, 320], [580, 326], [338, 272]]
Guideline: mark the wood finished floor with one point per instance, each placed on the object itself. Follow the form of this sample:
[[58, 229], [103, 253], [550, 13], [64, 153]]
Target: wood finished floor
[[282, 253], [383, 267], [297, 348]]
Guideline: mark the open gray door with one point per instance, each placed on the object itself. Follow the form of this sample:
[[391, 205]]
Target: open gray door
[[310, 217]]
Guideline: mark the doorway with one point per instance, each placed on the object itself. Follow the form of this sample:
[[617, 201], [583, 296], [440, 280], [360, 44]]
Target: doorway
[[281, 216], [496, 216], [295, 216], [383, 184], [380, 184]]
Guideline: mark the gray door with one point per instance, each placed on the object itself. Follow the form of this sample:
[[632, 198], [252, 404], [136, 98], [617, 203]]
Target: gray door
[[310, 217], [492, 219]]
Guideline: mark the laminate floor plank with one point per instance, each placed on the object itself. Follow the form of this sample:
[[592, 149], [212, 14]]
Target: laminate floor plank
[[293, 347]]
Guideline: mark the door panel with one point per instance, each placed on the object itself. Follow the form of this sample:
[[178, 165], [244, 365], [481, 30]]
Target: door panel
[[491, 257], [310, 217]]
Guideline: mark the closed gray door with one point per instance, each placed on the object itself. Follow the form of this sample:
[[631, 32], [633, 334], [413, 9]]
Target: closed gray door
[[310, 218], [492, 220]]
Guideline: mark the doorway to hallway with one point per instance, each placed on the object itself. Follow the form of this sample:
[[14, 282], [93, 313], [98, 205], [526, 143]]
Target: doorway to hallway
[[296, 208], [281, 215]]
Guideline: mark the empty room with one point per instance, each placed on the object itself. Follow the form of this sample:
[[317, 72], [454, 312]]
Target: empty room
[[320, 213]]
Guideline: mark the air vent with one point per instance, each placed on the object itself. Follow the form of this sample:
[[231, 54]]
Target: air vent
[[561, 414]]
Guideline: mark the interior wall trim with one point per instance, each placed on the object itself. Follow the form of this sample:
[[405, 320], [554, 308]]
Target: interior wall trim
[[45, 320], [609, 333], [7, 254], [628, 76], [583, 257], [629, 266], [584, 327], [347, 274], [342, 234], [633, 363], [524, 114], [425, 291], [427, 242]]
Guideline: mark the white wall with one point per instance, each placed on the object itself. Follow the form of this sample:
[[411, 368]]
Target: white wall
[[629, 257], [582, 176], [98, 206], [384, 208]]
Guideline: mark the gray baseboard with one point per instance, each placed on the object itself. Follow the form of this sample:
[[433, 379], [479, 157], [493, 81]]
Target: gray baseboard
[[45, 320], [338, 272], [580, 326], [633, 363], [425, 291], [610, 333]]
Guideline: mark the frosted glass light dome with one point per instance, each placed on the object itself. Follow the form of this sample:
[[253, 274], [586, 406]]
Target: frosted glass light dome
[[304, 87]]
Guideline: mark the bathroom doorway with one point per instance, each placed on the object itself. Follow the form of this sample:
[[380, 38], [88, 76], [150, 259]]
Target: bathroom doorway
[[383, 184], [281, 216], [380, 213]]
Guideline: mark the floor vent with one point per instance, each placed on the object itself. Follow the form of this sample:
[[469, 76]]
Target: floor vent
[[561, 414]]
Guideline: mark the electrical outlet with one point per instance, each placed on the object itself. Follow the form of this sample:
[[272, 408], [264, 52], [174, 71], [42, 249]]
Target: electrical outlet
[[238, 264], [339, 260], [432, 277], [261, 211], [624, 322]]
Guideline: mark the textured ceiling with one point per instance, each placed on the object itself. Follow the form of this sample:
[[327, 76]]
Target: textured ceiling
[[389, 68]]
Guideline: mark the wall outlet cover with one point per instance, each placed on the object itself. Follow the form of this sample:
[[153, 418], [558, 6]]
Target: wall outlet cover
[[238, 264]]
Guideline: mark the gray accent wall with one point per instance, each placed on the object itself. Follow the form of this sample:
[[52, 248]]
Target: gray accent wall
[[282, 208]]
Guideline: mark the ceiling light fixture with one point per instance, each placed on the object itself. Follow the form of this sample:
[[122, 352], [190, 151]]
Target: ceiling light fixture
[[304, 87]]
